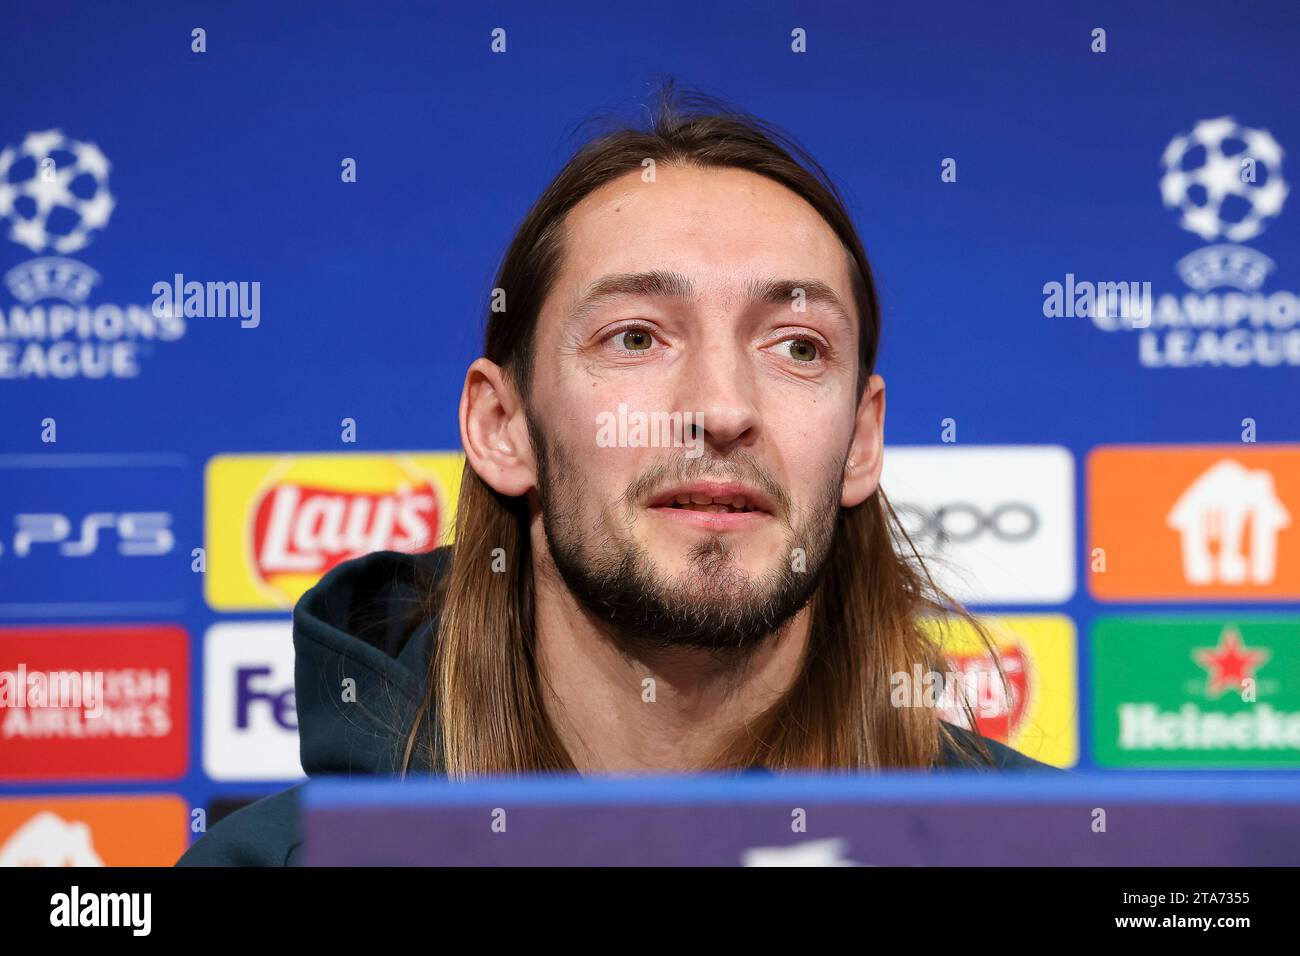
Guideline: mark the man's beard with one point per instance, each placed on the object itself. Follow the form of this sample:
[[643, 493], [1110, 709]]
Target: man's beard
[[714, 605]]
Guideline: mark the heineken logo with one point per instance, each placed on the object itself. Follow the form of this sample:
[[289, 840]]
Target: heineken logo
[[1147, 727], [1196, 692]]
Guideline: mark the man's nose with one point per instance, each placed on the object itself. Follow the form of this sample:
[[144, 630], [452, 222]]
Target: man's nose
[[718, 384]]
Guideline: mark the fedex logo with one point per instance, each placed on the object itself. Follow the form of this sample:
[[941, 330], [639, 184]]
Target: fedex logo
[[137, 533], [256, 687], [250, 719]]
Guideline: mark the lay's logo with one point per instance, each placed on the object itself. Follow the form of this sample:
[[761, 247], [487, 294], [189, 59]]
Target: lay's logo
[[277, 523]]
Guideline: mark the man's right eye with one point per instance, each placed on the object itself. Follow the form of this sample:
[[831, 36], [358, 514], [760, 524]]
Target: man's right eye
[[634, 339]]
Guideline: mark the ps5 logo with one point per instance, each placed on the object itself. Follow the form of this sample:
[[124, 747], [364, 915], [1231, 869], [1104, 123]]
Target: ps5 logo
[[138, 533]]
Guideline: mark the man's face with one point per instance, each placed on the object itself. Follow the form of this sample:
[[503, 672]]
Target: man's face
[[718, 295]]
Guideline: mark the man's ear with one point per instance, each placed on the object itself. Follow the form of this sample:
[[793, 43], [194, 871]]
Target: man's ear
[[493, 430], [867, 450]]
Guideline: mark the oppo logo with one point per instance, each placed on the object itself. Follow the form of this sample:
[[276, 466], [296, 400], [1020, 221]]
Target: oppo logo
[[962, 522], [136, 533]]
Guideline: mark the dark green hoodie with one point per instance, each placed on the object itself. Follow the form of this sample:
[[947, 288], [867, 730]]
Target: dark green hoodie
[[363, 621]]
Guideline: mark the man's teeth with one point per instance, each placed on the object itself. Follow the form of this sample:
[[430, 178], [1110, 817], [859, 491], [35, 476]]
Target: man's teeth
[[711, 504]]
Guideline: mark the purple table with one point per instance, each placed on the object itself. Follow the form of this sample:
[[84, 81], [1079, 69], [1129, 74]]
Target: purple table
[[883, 820]]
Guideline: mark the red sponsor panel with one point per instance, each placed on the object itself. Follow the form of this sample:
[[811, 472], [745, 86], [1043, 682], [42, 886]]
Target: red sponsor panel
[[94, 702]]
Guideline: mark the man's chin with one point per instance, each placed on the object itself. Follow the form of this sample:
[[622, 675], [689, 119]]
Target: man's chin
[[677, 570], [681, 551], [715, 605]]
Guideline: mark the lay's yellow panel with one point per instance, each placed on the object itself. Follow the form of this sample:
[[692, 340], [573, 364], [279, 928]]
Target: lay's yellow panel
[[274, 524], [1036, 709]]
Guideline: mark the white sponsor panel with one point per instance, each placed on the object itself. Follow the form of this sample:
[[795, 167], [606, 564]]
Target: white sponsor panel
[[250, 723], [995, 523]]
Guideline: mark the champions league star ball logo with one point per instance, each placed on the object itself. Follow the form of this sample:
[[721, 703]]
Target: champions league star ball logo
[[54, 192], [1225, 179]]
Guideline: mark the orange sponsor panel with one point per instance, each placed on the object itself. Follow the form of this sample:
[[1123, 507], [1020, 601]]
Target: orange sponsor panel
[[1178, 523], [93, 831]]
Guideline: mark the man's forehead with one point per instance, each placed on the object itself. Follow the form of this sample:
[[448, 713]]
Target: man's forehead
[[695, 234]]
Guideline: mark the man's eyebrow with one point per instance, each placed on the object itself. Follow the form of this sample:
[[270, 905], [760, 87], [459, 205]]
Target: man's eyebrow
[[656, 283], [659, 283], [782, 292]]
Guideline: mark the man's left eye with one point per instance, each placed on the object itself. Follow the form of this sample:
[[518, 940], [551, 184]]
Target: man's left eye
[[635, 340], [802, 350]]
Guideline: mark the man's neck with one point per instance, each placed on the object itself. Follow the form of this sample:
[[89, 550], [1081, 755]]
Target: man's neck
[[621, 710]]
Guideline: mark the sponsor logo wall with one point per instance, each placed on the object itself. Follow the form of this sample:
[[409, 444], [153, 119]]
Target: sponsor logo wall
[[1116, 494]]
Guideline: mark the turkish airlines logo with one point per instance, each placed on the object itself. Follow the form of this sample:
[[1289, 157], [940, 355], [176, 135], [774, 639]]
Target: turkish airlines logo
[[1188, 522], [94, 702]]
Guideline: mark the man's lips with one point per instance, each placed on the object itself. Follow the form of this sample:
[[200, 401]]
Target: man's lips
[[713, 505]]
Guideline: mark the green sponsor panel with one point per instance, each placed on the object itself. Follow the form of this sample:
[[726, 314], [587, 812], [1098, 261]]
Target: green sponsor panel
[[1196, 692]]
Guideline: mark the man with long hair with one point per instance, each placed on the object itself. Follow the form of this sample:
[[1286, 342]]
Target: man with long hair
[[671, 550]]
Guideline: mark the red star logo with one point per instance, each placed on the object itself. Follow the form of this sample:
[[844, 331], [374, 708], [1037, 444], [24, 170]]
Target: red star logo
[[1229, 664]]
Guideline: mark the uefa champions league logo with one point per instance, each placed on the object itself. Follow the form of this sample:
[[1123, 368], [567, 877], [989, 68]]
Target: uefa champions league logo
[[54, 201], [54, 192], [1225, 179]]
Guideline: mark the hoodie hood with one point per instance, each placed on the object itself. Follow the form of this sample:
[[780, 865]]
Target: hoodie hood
[[363, 639], [362, 642]]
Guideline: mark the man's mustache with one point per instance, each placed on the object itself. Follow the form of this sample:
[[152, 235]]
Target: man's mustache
[[670, 474]]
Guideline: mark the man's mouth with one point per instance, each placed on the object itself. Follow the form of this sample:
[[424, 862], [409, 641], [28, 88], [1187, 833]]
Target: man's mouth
[[726, 504], [716, 505]]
